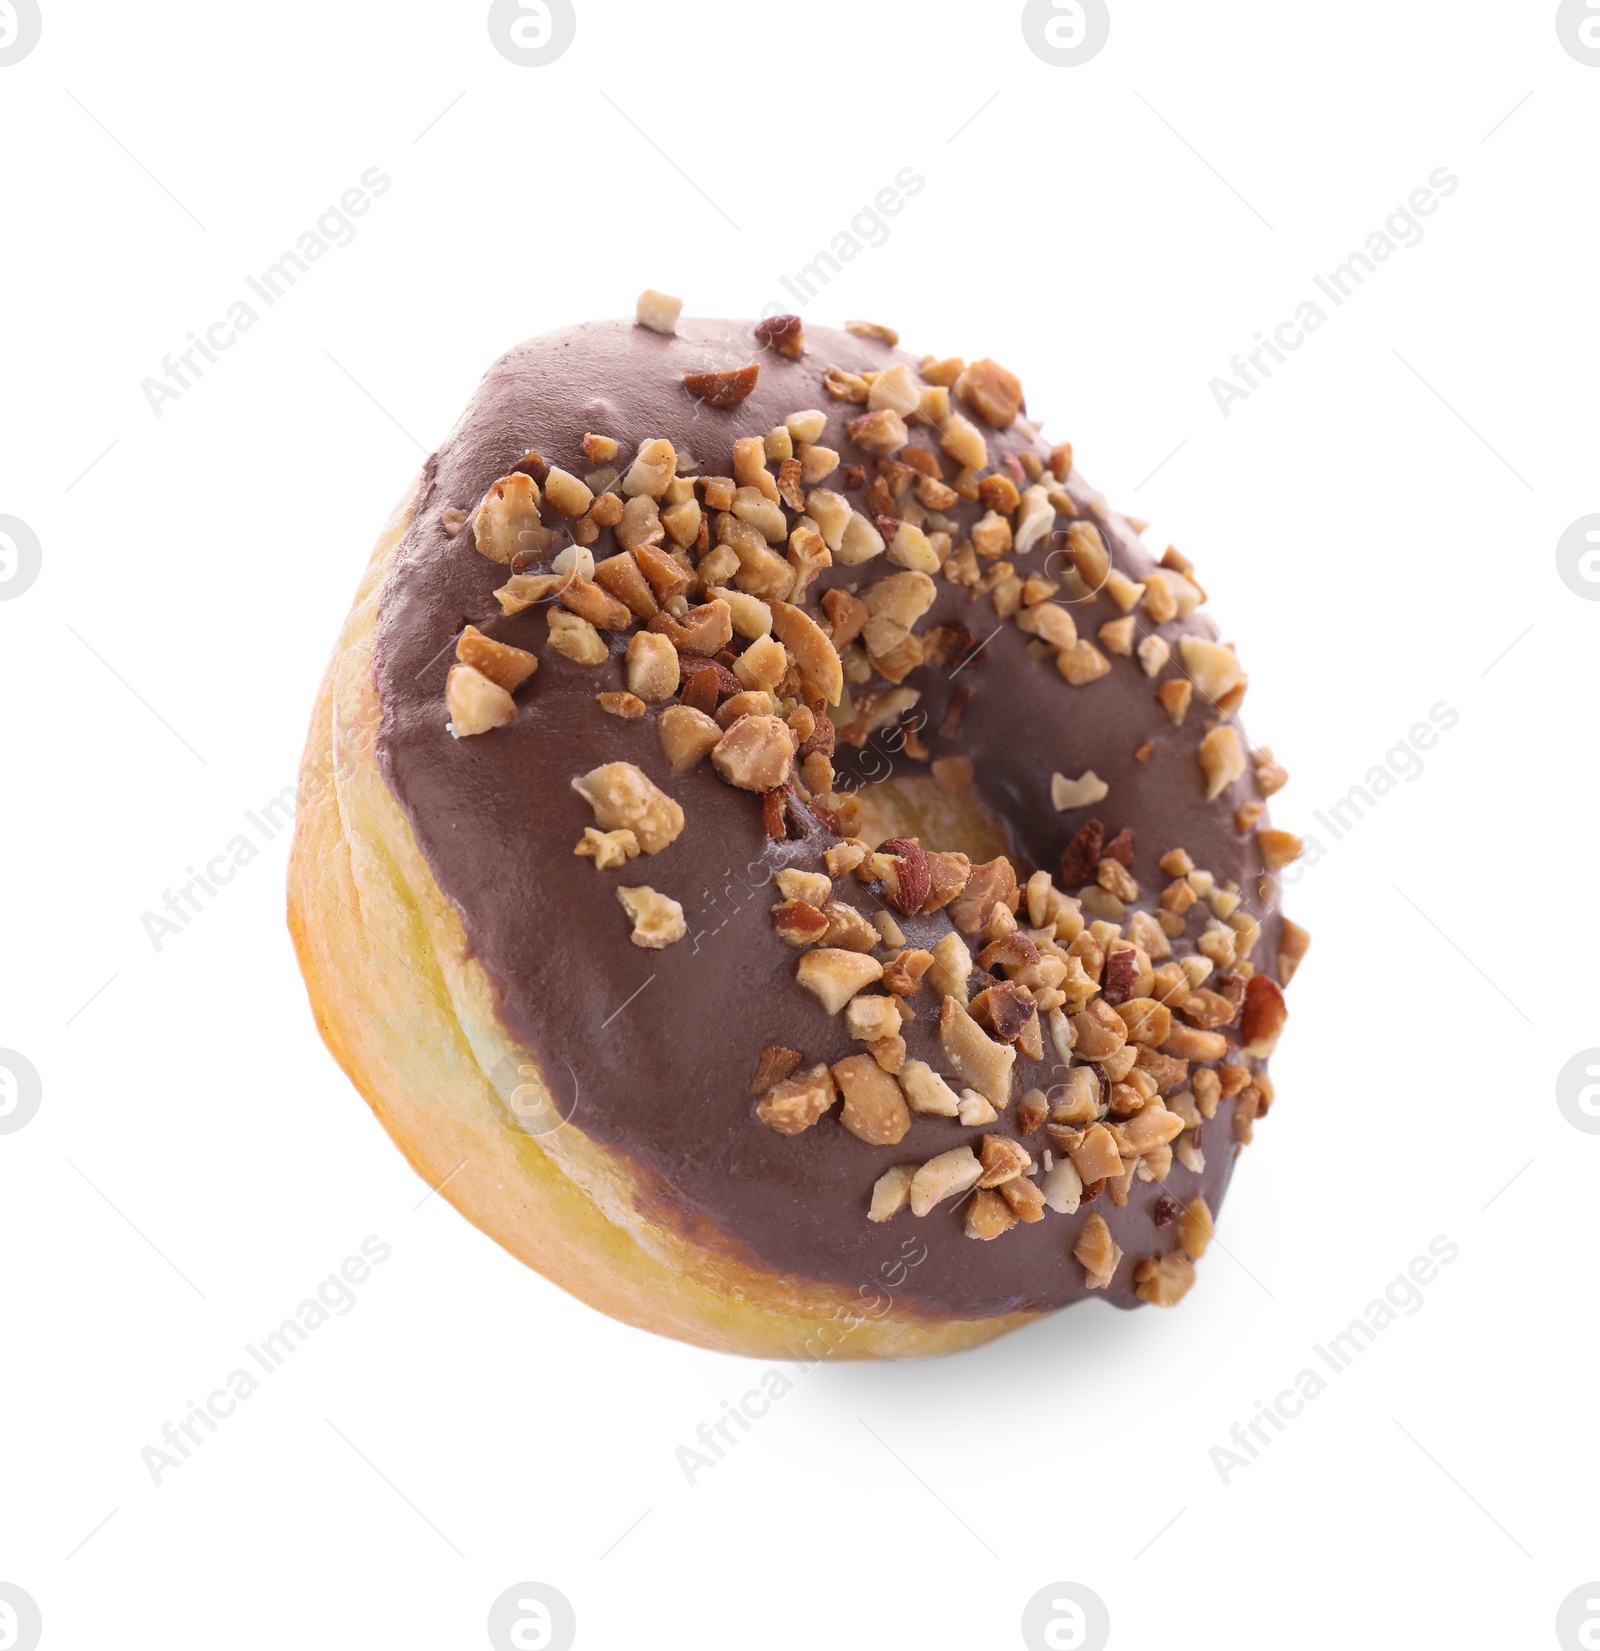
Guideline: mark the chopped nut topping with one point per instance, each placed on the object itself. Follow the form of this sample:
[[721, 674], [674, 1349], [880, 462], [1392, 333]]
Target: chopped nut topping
[[1264, 1016], [952, 964], [964, 441], [794, 1104], [756, 753], [1116, 635], [946, 1176], [891, 1192], [1154, 652], [1293, 944], [452, 521], [652, 667], [1164, 1282], [1212, 668], [658, 311], [723, 389], [506, 525], [577, 639], [657, 920], [566, 493], [783, 333], [988, 1216], [996, 393], [1068, 794], [833, 975], [1195, 1230], [799, 923], [843, 386], [475, 702], [874, 1109], [623, 796], [1097, 1252], [1082, 663], [509, 667], [872, 329], [686, 736], [1002, 1158], [870, 1016], [974, 1056], [629, 706], [776, 1064], [1087, 552], [607, 848], [989, 885], [1279, 848], [704, 630], [1221, 760]]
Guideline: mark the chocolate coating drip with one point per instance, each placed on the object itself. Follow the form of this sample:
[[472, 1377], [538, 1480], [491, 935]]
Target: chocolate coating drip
[[664, 1080]]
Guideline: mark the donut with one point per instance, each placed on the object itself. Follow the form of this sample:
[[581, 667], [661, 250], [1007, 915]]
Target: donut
[[778, 853]]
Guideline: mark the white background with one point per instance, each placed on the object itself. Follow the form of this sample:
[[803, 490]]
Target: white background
[[1376, 525]]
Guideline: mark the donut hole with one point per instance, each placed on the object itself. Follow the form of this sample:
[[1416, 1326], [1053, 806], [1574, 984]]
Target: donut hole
[[951, 821]]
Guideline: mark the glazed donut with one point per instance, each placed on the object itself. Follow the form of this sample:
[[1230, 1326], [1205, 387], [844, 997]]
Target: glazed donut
[[777, 852]]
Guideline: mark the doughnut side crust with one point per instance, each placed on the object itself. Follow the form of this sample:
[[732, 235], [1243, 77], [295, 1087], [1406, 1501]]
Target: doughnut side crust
[[411, 1017]]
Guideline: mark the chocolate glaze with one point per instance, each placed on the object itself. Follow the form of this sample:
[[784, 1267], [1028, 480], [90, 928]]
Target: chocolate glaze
[[665, 1081]]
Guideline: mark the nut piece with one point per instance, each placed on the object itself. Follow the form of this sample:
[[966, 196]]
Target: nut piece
[[475, 703], [1098, 1252], [1265, 1014], [623, 796], [566, 493], [1080, 793], [755, 754], [927, 1091], [507, 524], [1002, 1158], [813, 652], [1212, 668], [996, 393], [652, 667], [501, 663], [1278, 848], [977, 1060], [658, 311], [577, 638], [723, 389], [989, 1215], [891, 1192], [607, 848], [1062, 1187], [1293, 944], [797, 1102], [799, 923], [943, 1177], [833, 976], [1195, 1229], [783, 333], [686, 736], [1221, 760], [1166, 1282], [657, 920], [776, 1064], [873, 329], [874, 1109]]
